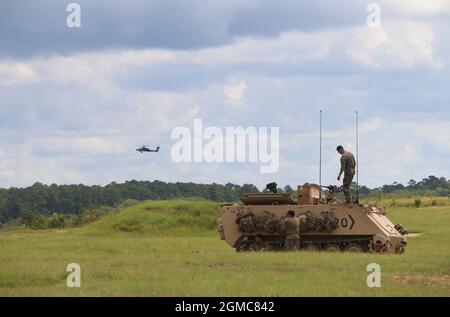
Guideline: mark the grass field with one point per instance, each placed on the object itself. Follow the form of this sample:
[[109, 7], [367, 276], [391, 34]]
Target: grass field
[[171, 248]]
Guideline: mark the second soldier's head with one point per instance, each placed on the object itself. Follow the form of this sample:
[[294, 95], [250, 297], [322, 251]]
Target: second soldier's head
[[290, 213]]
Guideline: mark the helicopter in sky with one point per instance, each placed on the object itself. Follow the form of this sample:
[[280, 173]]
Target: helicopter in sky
[[144, 148]]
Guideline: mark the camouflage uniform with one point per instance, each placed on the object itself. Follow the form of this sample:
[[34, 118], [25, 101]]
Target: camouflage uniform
[[261, 246], [348, 165], [291, 228]]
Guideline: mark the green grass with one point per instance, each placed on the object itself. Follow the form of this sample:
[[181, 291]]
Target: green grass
[[174, 217], [171, 248], [409, 201]]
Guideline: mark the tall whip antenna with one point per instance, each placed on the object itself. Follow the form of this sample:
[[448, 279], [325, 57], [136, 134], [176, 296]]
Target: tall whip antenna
[[320, 157], [357, 160]]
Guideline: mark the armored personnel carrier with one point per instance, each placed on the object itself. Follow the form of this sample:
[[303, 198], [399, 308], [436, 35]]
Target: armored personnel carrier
[[324, 223]]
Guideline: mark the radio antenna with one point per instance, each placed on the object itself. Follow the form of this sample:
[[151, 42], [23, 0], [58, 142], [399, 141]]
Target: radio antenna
[[320, 156], [357, 160]]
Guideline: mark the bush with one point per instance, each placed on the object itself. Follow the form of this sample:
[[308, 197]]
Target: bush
[[417, 203], [28, 218], [88, 215], [442, 192], [92, 214], [56, 221], [39, 222], [34, 221]]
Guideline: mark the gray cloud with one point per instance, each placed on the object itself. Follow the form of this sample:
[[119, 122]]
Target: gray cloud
[[270, 18], [39, 27]]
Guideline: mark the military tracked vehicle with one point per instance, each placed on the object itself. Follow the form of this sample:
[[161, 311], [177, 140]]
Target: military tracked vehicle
[[324, 223]]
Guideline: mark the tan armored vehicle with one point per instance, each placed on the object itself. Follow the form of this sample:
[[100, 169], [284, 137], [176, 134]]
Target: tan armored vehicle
[[324, 223]]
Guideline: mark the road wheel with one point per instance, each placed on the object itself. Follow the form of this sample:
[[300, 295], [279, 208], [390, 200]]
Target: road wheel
[[332, 247], [311, 247], [354, 247]]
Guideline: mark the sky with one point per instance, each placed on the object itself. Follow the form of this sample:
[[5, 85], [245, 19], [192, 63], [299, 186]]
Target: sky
[[76, 102]]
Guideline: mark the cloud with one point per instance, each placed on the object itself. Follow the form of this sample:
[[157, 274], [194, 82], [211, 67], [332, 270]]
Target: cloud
[[79, 146], [16, 73], [162, 69], [272, 17], [6, 166], [287, 48], [403, 45], [416, 8], [39, 28], [234, 92], [398, 45], [407, 154], [74, 106]]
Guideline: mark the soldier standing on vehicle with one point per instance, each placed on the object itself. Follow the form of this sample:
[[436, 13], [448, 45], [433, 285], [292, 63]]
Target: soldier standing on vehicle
[[291, 227], [348, 164]]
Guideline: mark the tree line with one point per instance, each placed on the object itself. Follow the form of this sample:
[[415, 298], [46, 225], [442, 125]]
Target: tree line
[[73, 199]]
